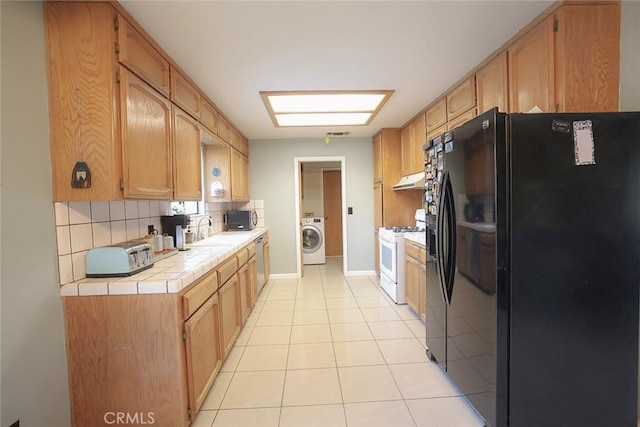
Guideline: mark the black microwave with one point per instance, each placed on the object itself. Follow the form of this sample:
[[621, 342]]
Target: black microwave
[[241, 220]]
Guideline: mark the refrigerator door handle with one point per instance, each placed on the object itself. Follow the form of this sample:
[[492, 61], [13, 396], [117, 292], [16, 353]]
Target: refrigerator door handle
[[442, 277], [452, 236]]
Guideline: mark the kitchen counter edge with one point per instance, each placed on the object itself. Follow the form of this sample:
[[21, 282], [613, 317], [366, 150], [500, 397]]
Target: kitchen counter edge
[[170, 275]]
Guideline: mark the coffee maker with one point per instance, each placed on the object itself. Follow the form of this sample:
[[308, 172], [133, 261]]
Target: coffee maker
[[174, 225]]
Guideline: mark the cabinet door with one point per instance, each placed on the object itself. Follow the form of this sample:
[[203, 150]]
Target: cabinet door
[[209, 116], [461, 119], [187, 161], [461, 98], [412, 283], [377, 158], [253, 277], [491, 85], [377, 206], [185, 94], [203, 352], [245, 292], [224, 129], [139, 56], [267, 262], [239, 176], [406, 142], [531, 72], [437, 131], [146, 139], [419, 138], [436, 116], [230, 314]]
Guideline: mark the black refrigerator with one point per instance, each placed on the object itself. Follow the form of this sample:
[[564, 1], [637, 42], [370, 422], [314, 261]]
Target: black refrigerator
[[533, 270]]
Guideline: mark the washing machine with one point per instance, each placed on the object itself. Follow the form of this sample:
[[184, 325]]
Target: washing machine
[[313, 241]]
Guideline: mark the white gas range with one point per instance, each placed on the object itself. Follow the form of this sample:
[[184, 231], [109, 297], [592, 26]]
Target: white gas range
[[391, 243]]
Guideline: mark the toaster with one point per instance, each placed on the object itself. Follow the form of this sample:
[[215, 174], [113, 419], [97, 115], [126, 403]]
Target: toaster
[[120, 260]]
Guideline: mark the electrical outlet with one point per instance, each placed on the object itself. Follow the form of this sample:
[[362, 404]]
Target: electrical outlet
[[350, 211]]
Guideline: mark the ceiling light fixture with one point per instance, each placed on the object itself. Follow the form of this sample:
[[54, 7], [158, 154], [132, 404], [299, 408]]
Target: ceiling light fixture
[[324, 108]]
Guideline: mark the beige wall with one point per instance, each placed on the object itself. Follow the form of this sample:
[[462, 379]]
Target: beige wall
[[34, 372], [630, 56], [312, 194]]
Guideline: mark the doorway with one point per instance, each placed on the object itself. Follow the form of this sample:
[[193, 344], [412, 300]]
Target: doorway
[[320, 188]]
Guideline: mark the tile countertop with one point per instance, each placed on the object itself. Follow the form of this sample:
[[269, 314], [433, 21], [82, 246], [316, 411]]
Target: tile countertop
[[417, 237], [172, 274]]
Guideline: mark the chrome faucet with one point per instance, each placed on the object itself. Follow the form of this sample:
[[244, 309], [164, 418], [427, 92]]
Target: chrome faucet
[[200, 236]]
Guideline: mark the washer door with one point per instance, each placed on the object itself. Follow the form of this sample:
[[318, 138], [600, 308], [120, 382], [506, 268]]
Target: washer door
[[311, 239]]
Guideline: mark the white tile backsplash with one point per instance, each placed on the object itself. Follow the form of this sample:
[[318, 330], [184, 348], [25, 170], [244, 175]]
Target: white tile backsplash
[[81, 237], [63, 237], [118, 232], [99, 211], [117, 210], [101, 234], [143, 209], [85, 225], [62, 213], [79, 212], [79, 265], [154, 208], [131, 209], [65, 267], [133, 229]]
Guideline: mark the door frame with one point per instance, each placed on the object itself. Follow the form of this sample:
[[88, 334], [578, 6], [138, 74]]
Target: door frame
[[343, 181]]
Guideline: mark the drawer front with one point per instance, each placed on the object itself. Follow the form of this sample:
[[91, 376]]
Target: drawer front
[[227, 269], [412, 250], [251, 249], [199, 293], [243, 257]]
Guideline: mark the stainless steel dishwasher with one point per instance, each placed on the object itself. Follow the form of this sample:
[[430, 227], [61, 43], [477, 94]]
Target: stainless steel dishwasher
[[260, 261]]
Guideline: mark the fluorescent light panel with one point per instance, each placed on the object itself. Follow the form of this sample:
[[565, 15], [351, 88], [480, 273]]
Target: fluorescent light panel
[[324, 108], [323, 119]]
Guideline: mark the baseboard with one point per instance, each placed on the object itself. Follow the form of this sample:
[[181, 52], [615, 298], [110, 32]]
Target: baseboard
[[361, 273], [283, 276]]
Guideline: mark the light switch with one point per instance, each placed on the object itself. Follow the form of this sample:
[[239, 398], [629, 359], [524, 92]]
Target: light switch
[[350, 211]]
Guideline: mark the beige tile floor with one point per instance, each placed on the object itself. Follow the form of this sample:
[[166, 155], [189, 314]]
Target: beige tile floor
[[331, 350]]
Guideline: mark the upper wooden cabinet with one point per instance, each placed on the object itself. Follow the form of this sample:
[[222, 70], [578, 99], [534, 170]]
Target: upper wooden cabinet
[[406, 143], [185, 94], [377, 158], [531, 72], [491, 85], [109, 107], [187, 177], [461, 98], [224, 129], [418, 139], [139, 56], [146, 139], [587, 57], [209, 116], [83, 99], [436, 116], [239, 176], [461, 119]]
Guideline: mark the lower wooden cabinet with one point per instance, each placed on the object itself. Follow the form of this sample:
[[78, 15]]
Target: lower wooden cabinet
[[156, 353], [230, 314], [266, 258], [415, 278], [203, 351]]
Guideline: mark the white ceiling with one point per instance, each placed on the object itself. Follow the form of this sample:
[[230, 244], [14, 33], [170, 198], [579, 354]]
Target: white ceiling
[[235, 49]]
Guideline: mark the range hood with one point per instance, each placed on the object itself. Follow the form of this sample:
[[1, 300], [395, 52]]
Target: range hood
[[411, 182]]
